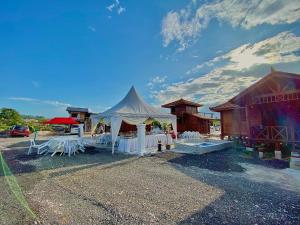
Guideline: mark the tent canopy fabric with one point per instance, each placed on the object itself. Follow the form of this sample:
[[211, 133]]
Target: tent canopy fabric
[[133, 110], [62, 120], [133, 104]]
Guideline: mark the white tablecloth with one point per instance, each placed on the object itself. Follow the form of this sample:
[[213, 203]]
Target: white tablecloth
[[129, 145], [104, 138]]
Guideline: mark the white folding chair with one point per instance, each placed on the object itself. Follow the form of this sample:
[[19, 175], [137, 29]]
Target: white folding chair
[[38, 147], [57, 148], [81, 147]]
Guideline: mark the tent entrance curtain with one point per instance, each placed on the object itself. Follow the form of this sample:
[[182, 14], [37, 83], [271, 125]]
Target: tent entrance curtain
[[116, 122], [115, 128], [133, 110]]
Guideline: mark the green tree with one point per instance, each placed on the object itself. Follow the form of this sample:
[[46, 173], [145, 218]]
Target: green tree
[[10, 117]]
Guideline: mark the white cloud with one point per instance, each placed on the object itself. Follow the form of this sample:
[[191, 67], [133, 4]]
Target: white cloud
[[281, 48], [116, 5], [177, 26], [111, 7], [91, 28], [35, 84], [242, 68], [56, 103], [185, 25], [34, 100], [121, 10], [24, 99], [158, 80]]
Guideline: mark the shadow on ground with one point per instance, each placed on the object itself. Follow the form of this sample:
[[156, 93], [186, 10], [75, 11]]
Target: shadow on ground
[[244, 201], [19, 162], [224, 161]]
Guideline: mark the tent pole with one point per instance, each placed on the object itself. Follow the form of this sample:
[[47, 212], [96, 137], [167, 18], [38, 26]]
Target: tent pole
[[141, 133]]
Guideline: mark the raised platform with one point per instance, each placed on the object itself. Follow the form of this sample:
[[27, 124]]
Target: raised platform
[[200, 146]]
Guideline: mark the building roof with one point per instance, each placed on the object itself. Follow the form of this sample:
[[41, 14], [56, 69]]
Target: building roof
[[273, 74], [224, 106], [77, 109], [181, 102], [202, 117]]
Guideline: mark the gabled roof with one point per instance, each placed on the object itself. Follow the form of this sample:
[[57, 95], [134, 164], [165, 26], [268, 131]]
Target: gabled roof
[[77, 109], [224, 106], [202, 117], [273, 74], [269, 76], [181, 102]]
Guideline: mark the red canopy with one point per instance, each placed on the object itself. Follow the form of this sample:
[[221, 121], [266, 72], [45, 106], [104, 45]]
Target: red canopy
[[62, 120]]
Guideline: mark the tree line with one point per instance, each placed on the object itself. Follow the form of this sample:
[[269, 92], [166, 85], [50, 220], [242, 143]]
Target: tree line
[[10, 117]]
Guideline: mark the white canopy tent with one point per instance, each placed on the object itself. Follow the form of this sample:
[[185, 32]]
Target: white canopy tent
[[132, 110]]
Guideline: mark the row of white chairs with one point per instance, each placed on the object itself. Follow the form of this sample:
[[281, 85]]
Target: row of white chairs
[[54, 147], [190, 135]]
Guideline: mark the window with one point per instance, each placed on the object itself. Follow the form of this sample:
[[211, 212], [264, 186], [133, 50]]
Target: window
[[74, 115], [191, 109], [173, 110]]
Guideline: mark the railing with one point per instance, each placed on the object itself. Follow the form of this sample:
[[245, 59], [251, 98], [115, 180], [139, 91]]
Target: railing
[[209, 115], [260, 133], [275, 133], [275, 97]]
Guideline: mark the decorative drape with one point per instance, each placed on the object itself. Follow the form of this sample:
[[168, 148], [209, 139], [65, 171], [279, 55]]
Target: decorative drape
[[132, 110]]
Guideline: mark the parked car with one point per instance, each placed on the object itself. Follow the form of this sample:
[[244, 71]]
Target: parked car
[[19, 131], [74, 129], [59, 128]]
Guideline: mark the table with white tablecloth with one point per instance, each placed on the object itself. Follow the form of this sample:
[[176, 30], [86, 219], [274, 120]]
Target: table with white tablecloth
[[129, 145], [104, 138]]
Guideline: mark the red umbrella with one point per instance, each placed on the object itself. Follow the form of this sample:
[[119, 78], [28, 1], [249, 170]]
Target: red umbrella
[[62, 120]]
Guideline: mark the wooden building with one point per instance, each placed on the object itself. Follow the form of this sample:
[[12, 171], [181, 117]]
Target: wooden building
[[267, 112], [82, 115], [188, 117]]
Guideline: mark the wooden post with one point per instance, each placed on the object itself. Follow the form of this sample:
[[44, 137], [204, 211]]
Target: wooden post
[[278, 154], [141, 134], [248, 123], [222, 126], [293, 138]]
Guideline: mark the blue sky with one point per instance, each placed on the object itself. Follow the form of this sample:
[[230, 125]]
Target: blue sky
[[89, 53]]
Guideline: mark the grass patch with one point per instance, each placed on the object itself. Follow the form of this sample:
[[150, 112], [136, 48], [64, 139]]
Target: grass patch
[[14, 186], [269, 155], [247, 154]]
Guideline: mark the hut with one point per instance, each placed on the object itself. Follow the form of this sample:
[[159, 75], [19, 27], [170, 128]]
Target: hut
[[82, 115], [266, 112], [188, 117]]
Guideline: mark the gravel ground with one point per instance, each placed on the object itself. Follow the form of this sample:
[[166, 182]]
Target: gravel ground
[[98, 188]]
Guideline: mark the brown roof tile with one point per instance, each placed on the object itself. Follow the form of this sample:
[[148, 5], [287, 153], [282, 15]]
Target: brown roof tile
[[181, 102], [224, 106]]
